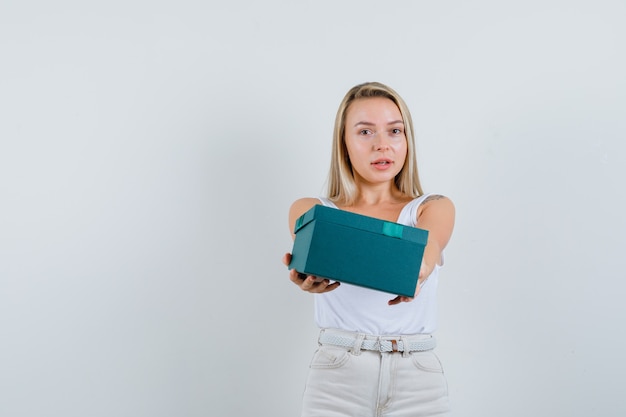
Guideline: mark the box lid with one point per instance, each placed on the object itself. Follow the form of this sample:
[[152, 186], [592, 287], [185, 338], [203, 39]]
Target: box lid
[[359, 221]]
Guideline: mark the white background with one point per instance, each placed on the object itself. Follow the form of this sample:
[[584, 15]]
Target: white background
[[150, 151]]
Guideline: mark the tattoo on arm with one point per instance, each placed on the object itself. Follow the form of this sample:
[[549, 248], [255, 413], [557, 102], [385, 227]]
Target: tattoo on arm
[[433, 197]]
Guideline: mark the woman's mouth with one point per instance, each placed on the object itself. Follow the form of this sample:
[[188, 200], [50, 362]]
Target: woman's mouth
[[382, 163]]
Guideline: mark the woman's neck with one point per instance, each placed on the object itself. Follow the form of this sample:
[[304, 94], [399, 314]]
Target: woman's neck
[[371, 195]]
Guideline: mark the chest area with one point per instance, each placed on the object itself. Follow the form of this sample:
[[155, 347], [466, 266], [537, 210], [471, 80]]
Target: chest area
[[387, 212]]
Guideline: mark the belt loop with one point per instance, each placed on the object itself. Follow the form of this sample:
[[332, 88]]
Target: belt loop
[[319, 338], [405, 347], [358, 343]]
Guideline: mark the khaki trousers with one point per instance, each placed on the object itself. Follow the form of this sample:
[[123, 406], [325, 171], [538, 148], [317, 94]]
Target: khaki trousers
[[346, 382]]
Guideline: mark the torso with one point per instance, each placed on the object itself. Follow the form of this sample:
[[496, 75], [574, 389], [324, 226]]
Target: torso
[[363, 310]]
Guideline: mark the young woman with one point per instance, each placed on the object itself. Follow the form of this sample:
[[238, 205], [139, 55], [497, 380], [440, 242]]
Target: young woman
[[375, 355]]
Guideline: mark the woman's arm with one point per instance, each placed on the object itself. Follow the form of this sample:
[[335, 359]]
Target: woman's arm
[[308, 283], [435, 214]]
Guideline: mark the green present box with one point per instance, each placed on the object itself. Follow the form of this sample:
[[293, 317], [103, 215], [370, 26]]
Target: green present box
[[359, 250]]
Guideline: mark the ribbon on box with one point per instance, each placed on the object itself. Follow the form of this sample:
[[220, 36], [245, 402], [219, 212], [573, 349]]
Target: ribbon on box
[[299, 222], [392, 230]]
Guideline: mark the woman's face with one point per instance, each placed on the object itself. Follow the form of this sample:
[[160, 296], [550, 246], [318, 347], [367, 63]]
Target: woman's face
[[375, 139]]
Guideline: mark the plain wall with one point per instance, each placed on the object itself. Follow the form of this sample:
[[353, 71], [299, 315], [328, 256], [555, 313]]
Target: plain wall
[[149, 151]]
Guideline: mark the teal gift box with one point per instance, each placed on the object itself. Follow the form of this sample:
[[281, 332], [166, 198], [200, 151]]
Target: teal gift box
[[359, 250]]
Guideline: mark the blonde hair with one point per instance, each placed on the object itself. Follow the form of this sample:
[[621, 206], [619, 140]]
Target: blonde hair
[[341, 185]]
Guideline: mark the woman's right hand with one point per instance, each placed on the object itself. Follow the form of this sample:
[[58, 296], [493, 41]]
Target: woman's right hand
[[309, 283]]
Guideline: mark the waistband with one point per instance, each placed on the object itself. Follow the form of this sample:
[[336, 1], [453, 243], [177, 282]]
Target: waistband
[[360, 341]]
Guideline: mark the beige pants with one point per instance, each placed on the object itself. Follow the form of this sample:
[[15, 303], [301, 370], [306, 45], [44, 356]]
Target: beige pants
[[352, 382]]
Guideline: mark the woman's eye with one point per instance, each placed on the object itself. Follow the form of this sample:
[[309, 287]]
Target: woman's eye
[[365, 132], [396, 131]]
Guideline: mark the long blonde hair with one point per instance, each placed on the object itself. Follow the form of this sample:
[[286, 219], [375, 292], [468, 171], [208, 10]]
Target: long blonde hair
[[341, 185]]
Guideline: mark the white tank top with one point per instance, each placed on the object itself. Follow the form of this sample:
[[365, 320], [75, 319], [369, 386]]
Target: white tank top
[[364, 310]]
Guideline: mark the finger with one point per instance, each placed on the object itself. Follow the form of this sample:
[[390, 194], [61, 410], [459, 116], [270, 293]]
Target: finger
[[394, 301], [318, 285], [332, 286], [400, 299], [311, 284], [323, 285], [296, 277], [287, 259]]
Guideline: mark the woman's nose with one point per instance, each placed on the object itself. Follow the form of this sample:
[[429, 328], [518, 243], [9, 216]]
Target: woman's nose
[[381, 145]]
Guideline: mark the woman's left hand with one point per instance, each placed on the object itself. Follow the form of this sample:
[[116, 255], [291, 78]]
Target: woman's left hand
[[421, 279]]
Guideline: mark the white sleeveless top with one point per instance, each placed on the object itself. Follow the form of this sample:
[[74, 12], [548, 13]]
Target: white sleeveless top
[[364, 310]]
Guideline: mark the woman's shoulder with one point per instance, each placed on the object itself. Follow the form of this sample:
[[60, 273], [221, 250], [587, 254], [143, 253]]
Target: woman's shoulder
[[436, 203], [432, 197], [299, 207], [302, 205]]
